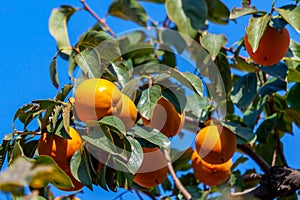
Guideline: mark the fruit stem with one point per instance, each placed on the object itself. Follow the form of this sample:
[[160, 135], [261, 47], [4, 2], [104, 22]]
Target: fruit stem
[[101, 21], [176, 180]]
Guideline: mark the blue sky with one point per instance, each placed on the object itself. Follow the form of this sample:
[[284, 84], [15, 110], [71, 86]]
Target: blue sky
[[27, 49]]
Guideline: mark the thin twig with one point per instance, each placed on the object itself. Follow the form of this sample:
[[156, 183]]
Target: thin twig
[[101, 21], [233, 52], [259, 160], [177, 182], [139, 195]]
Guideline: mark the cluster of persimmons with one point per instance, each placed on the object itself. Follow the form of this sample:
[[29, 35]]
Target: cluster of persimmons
[[215, 144]]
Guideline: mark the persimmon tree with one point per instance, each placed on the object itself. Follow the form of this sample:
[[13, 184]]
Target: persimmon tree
[[139, 99]]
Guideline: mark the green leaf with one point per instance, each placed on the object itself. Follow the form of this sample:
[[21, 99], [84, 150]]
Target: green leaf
[[148, 101], [244, 90], [30, 147], [55, 175], [252, 114], [58, 27], [240, 160], [176, 13], [187, 79], [197, 107], [266, 150], [114, 122], [217, 12], [151, 135], [4, 150], [271, 86], [265, 128], [293, 70], [293, 115], [121, 73], [295, 50], [224, 70], [213, 43], [53, 73], [16, 152], [136, 156], [27, 113], [176, 96], [128, 10], [131, 87], [236, 180], [245, 10], [172, 38], [80, 168], [256, 29], [89, 62], [242, 65], [180, 160], [291, 14], [102, 139], [92, 38], [124, 177], [292, 96], [243, 132], [61, 96], [196, 11], [278, 70]]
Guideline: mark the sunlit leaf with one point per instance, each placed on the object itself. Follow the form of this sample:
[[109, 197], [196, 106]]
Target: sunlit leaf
[[293, 70], [55, 175], [128, 10], [151, 135], [256, 29], [291, 13], [179, 17], [148, 101], [213, 43], [245, 10], [114, 122], [136, 156], [58, 27]]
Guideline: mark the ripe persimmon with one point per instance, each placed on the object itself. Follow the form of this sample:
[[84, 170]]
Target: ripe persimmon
[[96, 98], [60, 149], [153, 170], [273, 45], [128, 112], [215, 144], [210, 174], [165, 118]]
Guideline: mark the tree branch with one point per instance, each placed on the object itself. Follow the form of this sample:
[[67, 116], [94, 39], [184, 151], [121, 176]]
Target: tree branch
[[259, 160], [177, 182], [101, 21]]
